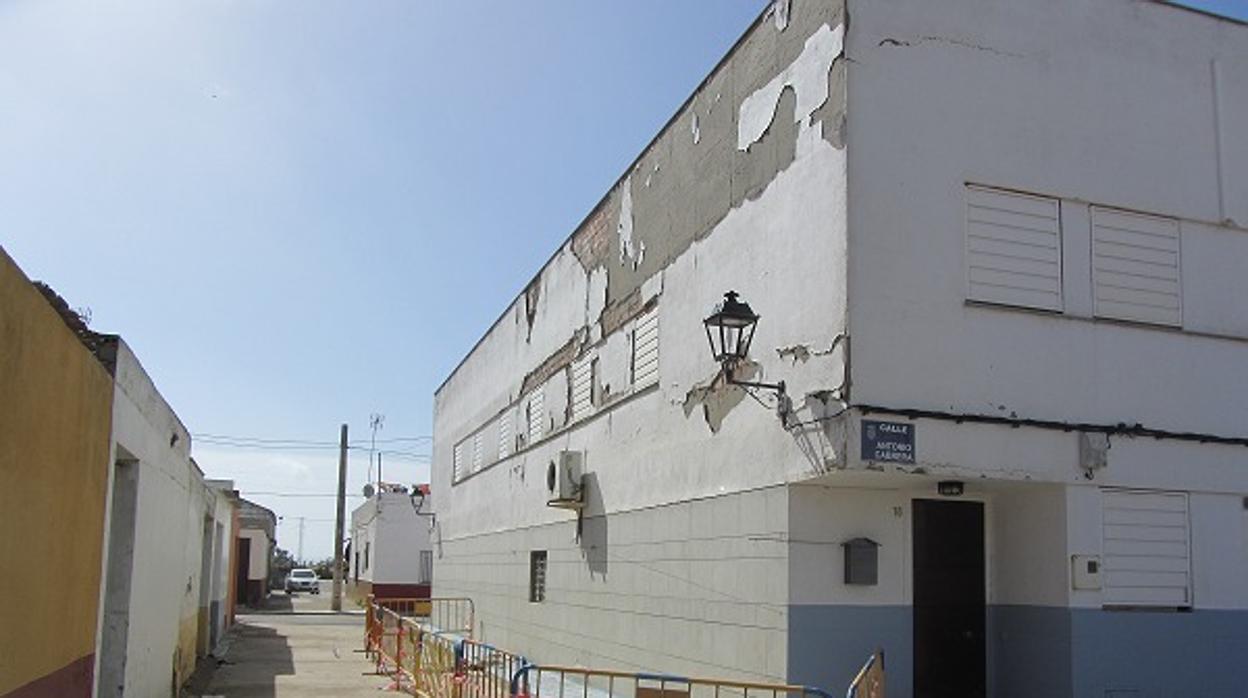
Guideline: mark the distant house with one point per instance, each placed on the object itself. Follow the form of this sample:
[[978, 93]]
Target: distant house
[[391, 553], [220, 601], [257, 530]]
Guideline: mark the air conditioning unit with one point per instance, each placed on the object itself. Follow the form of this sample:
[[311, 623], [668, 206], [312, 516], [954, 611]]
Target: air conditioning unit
[[563, 480]]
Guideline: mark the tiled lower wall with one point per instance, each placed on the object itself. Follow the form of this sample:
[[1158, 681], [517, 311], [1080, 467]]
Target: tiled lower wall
[[1038, 651], [695, 588]]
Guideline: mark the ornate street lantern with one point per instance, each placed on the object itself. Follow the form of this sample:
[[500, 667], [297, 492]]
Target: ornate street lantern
[[730, 329]]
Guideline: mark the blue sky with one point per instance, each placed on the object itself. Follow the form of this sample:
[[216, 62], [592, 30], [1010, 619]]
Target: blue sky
[[299, 214]]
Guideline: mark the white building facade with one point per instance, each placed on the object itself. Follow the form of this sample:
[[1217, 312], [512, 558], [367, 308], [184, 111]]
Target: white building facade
[[254, 547], [1000, 251], [162, 551], [391, 552]]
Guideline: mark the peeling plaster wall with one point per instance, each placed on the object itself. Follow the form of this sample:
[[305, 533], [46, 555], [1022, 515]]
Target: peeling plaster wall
[[696, 215]]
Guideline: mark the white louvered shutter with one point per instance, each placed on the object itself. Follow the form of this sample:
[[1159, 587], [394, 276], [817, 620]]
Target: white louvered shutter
[[583, 388], [478, 451], [536, 413], [504, 434], [1135, 267], [1146, 550], [645, 360], [1013, 249], [457, 470]]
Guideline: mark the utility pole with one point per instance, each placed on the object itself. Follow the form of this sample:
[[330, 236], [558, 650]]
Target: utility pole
[[336, 601], [376, 421], [300, 558]]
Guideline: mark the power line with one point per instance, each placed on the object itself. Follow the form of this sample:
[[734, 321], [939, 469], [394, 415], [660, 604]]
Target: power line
[[295, 446], [310, 442], [258, 439], [293, 494]]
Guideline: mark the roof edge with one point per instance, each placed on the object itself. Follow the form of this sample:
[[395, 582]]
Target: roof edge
[[671, 120]]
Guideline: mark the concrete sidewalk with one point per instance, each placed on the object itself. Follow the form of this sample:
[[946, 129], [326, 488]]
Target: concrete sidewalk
[[291, 655]]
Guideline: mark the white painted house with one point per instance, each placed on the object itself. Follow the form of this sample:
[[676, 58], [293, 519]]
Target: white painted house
[[391, 553], [255, 545], [1000, 254], [164, 554]]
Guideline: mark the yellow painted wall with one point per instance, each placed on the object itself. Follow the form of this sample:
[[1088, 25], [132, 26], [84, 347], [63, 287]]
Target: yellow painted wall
[[55, 420], [188, 632]]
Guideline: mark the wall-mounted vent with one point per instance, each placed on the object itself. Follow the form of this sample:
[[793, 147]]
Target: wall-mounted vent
[[1135, 267], [505, 437], [1146, 551], [645, 355], [1013, 249], [582, 389], [535, 414]]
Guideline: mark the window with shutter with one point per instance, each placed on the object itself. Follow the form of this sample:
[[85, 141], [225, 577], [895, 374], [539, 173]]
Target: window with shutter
[[1013, 249], [537, 576], [1135, 267], [504, 434], [583, 387], [645, 359], [426, 567], [457, 469], [1146, 550], [536, 413], [478, 451]]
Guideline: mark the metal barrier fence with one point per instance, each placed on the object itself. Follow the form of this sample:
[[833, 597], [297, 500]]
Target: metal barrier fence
[[451, 614], [436, 662], [426, 660], [869, 683], [534, 681], [487, 670]]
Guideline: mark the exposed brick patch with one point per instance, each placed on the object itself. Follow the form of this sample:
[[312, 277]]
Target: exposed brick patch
[[592, 243], [556, 362]]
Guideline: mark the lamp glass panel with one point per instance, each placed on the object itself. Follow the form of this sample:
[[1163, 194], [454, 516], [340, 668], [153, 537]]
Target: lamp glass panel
[[744, 337], [710, 340]]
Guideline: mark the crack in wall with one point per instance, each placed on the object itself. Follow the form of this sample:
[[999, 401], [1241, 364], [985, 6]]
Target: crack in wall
[[801, 353], [890, 41]]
